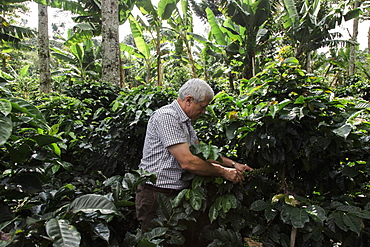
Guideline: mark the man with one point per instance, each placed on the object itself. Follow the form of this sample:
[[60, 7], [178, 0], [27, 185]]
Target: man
[[166, 150]]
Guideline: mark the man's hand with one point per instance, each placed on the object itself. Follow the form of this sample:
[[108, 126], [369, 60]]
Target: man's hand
[[242, 167], [233, 175]]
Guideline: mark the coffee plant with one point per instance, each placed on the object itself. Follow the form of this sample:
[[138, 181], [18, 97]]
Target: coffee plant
[[69, 166], [310, 150]]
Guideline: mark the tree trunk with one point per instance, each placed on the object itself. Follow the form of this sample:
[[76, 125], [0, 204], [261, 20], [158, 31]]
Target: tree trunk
[[159, 59], [191, 59], [353, 48], [44, 54], [110, 42], [368, 41]]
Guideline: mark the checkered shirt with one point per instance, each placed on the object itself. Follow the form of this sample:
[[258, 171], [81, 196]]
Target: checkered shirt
[[167, 126]]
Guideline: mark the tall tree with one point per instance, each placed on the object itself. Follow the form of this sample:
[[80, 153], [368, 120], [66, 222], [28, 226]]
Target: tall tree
[[44, 54], [110, 42], [182, 24], [353, 47], [10, 34]]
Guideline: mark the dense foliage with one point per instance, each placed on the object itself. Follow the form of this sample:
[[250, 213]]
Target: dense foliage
[[71, 163], [69, 159]]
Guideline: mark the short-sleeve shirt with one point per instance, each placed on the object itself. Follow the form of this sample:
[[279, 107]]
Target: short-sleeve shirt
[[169, 125]]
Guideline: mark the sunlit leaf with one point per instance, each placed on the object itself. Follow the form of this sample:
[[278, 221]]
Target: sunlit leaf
[[62, 233], [90, 203]]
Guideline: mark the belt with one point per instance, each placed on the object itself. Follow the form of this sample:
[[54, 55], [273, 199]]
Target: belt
[[160, 190]]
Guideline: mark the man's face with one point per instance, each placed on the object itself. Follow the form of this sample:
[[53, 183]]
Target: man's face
[[194, 110]]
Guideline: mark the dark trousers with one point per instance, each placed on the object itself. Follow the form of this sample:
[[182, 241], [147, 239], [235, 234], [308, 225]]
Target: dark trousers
[[146, 210], [147, 204]]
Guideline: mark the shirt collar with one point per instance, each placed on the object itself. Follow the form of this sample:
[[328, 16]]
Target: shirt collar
[[177, 107]]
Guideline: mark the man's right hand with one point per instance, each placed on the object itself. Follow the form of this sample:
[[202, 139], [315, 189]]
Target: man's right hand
[[233, 175]]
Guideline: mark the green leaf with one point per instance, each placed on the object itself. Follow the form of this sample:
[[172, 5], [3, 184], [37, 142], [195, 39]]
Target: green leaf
[[354, 13], [206, 150], [29, 109], [141, 45], [299, 217], [78, 51], [353, 222], [156, 232], [300, 100], [131, 50], [62, 234], [292, 17], [177, 200], [165, 205], [6, 127], [43, 140], [91, 202], [215, 29], [195, 199], [231, 130], [102, 230], [339, 220], [258, 205], [79, 37], [317, 213], [285, 213], [213, 213], [270, 213], [343, 131], [364, 214], [5, 107], [292, 61], [350, 171], [166, 7]]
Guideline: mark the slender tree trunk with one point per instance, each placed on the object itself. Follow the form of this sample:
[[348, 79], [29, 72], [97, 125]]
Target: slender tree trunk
[[192, 63], [122, 73], [110, 42], [159, 59], [308, 61], [353, 48], [44, 54], [368, 41], [293, 236]]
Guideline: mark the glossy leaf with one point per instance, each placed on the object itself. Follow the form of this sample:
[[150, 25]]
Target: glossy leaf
[[90, 203], [166, 7], [23, 106], [299, 217], [258, 205], [6, 127], [343, 131], [43, 140], [5, 107], [317, 213], [353, 222], [62, 233], [141, 45], [215, 29], [195, 199], [165, 206], [213, 213]]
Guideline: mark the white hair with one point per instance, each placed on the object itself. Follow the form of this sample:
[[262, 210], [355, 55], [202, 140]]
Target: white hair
[[197, 88]]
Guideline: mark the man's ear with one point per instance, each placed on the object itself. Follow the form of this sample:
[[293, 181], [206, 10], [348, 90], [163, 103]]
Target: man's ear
[[188, 99]]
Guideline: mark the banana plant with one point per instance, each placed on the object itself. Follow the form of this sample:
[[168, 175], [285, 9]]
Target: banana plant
[[182, 25], [155, 17], [310, 29], [143, 49], [81, 60], [241, 36]]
